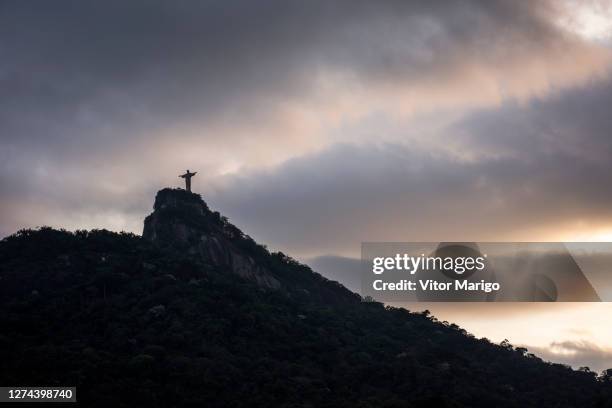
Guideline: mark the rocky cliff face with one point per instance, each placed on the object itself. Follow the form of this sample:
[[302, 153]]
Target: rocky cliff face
[[182, 220]]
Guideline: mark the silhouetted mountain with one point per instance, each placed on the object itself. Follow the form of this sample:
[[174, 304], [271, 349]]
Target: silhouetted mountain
[[195, 313], [182, 222], [339, 268]]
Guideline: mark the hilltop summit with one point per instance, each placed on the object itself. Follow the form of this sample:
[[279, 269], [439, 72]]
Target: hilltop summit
[[183, 221]]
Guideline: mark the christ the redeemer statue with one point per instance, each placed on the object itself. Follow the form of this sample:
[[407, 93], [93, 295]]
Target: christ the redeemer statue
[[187, 176]]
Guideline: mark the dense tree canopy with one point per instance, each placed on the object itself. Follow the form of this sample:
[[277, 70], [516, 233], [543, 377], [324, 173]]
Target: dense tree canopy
[[132, 324]]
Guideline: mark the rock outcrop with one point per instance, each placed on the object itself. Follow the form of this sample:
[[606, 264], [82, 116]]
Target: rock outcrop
[[182, 220]]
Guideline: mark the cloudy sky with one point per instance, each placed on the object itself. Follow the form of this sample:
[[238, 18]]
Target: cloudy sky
[[317, 125]]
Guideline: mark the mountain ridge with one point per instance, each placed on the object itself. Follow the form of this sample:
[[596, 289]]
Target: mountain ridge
[[164, 320]]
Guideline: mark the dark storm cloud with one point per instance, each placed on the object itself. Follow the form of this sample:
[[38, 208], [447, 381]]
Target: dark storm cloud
[[128, 65], [540, 165], [81, 73], [96, 97], [575, 124]]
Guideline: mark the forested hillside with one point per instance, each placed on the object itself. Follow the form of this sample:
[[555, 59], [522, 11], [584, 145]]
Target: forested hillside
[[164, 322]]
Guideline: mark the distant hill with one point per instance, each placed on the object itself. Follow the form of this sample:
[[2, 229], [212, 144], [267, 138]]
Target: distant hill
[[196, 313], [339, 268]]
